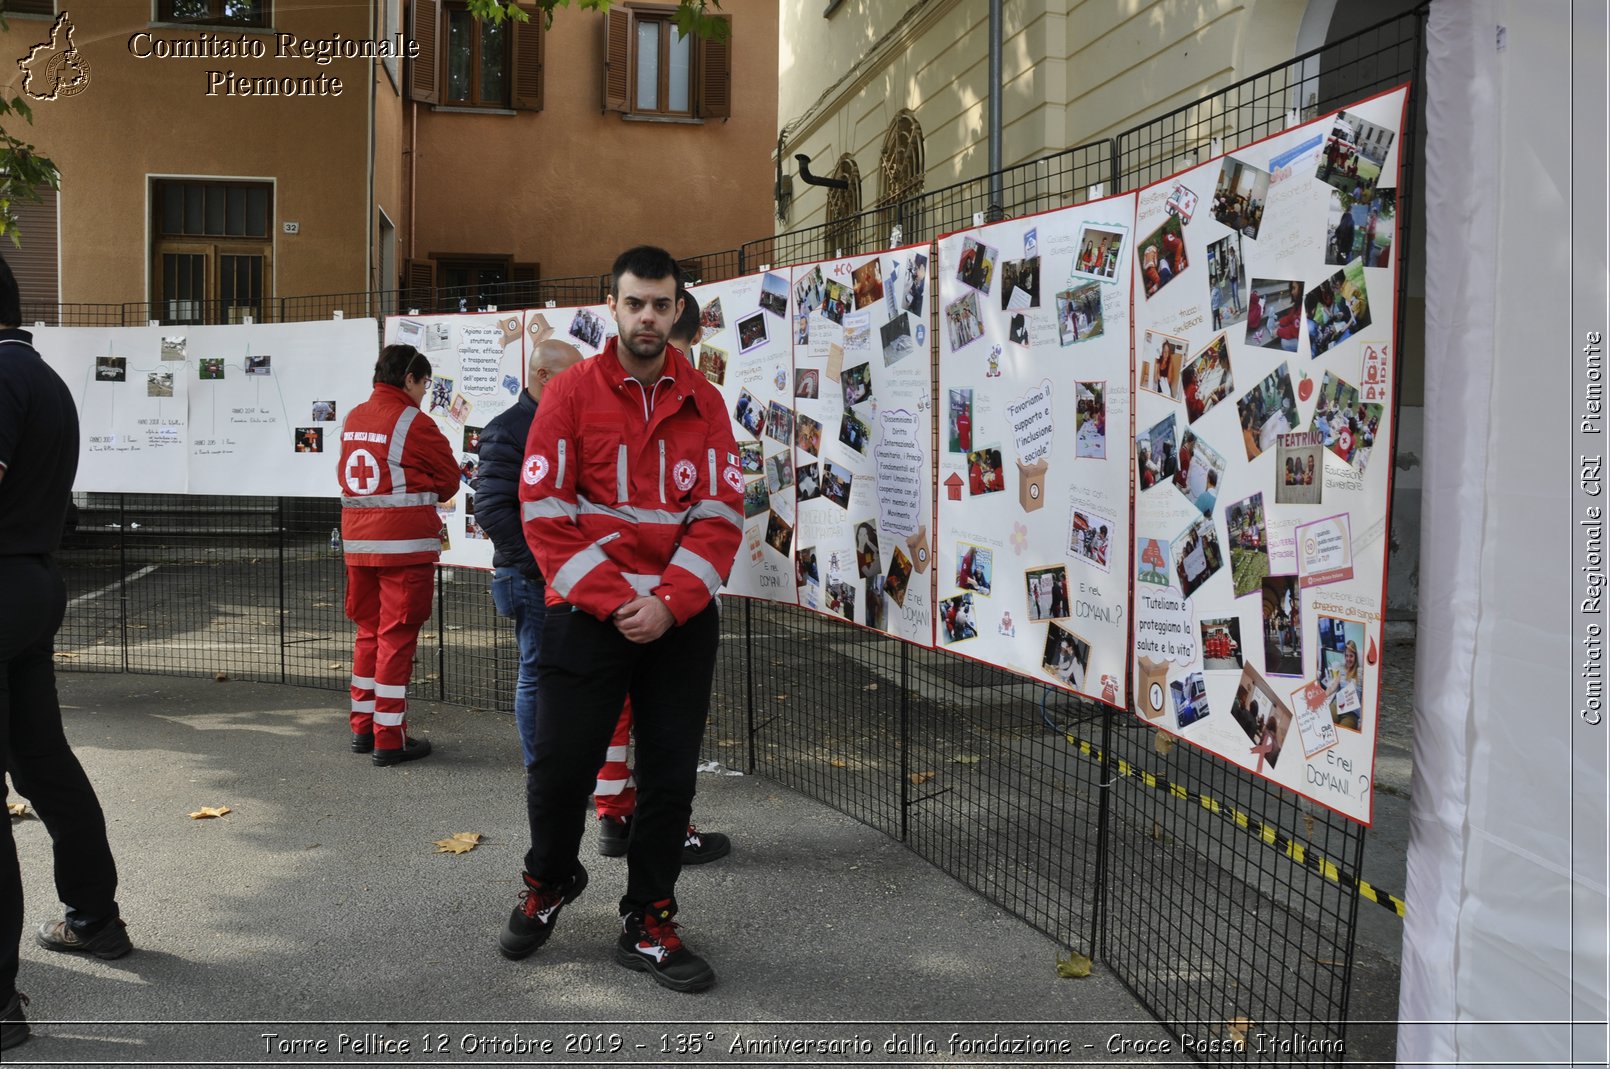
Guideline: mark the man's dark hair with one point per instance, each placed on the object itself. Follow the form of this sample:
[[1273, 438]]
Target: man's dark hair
[[645, 261], [397, 362], [687, 324], [10, 297]]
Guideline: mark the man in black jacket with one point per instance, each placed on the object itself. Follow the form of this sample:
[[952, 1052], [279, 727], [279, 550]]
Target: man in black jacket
[[518, 589]]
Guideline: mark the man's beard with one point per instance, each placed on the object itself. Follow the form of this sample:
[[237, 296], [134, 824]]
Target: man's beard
[[644, 350]]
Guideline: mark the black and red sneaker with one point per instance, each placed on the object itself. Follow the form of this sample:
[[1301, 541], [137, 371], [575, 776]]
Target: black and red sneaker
[[649, 943], [703, 846], [533, 919]]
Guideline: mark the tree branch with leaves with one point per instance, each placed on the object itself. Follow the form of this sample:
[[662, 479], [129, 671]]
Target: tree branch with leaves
[[692, 16]]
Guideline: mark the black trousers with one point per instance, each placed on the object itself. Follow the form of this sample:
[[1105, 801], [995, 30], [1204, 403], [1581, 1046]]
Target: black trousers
[[41, 764], [585, 673]]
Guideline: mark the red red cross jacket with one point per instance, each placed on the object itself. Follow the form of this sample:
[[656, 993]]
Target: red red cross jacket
[[630, 490], [395, 466]]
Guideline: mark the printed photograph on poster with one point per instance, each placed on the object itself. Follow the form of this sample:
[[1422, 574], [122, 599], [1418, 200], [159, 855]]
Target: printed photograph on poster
[[587, 327], [915, 284], [459, 410], [960, 419], [1341, 670], [1239, 197], [1227, 282], [1020, 284], [1275, 314], [159, 383], [802, 327], [774, 294], [1155, 460], [897, 340], [438, 336], [1338, 308], [780, 423], [1282, 626], [751, 458], [835, 301], [173, 346], [1181, 202], [713, 363], [975, 567], [1018, 332], [1206, 380], [711, 318], [1249, 544], [808, 482], [956, 621], [1090, 420], [868, 279], [756, 498], [440, 394], [208, 368], [1264, 717], [1047, 589], [1066, 657], [898, 580], [1354, 153], [779, 472], [872, 598], [808, 434], [1360, 229], [1299, 469], [1201, 467], [1197, 557], [1099, 249], [1162, 256], [1314, 725], [259, 365], [1221, 644], [111, 369], [836, 484], [984, 472], [857, 384], [805, 568], [807, 383], [963, 325], [309, 439], [811, 289], [854, 432], [779, 533], [1161, 357], [1151, 562], [1345, 425], [1079, 314], [752, 332], [840, 597], [976, 267], [1268, 410], [1190, 699], [748, 413], [472, 440], [1088, 537], [1325, 551], [867, 561], [858, 332]]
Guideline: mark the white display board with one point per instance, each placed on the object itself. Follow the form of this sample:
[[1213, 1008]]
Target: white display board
[[1263, 330], [247, 409], [1034, 410], [747, 353], [863, 440]]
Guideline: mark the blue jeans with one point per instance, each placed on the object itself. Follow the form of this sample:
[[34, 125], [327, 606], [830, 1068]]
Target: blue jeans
[[524, 602]]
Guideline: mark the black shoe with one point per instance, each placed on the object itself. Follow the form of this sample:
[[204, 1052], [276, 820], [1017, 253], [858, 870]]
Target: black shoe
[[363, 741], [111, 941], [533, 919], [410, 750], [13, 1025], [702, 846], [649, 943], [613, 835]]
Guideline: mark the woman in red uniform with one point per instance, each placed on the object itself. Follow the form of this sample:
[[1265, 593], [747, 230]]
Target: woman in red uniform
[[395, 466]]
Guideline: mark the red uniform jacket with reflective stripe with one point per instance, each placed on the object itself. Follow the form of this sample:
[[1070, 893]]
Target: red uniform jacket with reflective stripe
[[630, 490], [395, 466]]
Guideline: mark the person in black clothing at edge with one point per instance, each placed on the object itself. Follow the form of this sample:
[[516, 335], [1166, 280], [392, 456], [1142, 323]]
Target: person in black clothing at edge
[[38, 460]]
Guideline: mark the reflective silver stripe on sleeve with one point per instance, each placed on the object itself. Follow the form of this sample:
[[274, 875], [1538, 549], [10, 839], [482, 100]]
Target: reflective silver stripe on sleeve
[[551, 508], [399, 436], [715, 487], [662, 471], [710, 508], [631, 513], [623, 482], [388, 501], [391, 545], [691, 561], [559, 469], [643, 584], [577, 567]]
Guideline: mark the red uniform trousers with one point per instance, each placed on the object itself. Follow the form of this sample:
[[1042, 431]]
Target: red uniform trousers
[[615, 793], [388, 605]]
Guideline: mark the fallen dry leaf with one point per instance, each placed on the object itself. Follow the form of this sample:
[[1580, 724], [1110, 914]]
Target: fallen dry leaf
[[461, 843], [336, 665], [1238, 1027], [871, 686], [17, 809], [1073, 967], [967, 759], [208, 811], [1157, 831], [839, 762], [780, 697], [221, 677], [1308, 824], [919, 778], [1162, 743]]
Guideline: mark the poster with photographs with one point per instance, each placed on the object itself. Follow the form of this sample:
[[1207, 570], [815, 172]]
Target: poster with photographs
[[477, 365], [1034, 465], [863, 440], [1263, 365], [745, 350]]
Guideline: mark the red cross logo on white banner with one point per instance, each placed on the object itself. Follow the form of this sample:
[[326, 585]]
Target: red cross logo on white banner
[[362, 473]]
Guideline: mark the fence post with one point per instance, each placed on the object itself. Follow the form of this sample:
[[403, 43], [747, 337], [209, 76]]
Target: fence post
[[441, 635], [279, 514], [749, 682], [905, 741], [123, 575]]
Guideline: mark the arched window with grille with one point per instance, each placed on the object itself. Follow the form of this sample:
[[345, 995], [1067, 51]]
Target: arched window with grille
[[900, 174], [843, 208]]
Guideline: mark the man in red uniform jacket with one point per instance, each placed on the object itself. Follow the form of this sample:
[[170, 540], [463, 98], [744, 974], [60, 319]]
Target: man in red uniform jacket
[[395, 466], [632, 502]]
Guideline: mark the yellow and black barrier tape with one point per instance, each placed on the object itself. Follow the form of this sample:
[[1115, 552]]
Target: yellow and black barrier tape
[[1270, 836]]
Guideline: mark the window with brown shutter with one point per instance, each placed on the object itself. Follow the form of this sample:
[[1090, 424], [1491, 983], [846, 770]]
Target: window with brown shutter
[[618, 60], [426, 17], [651, 70], [529, 45], [419, 285], [715, 75]]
